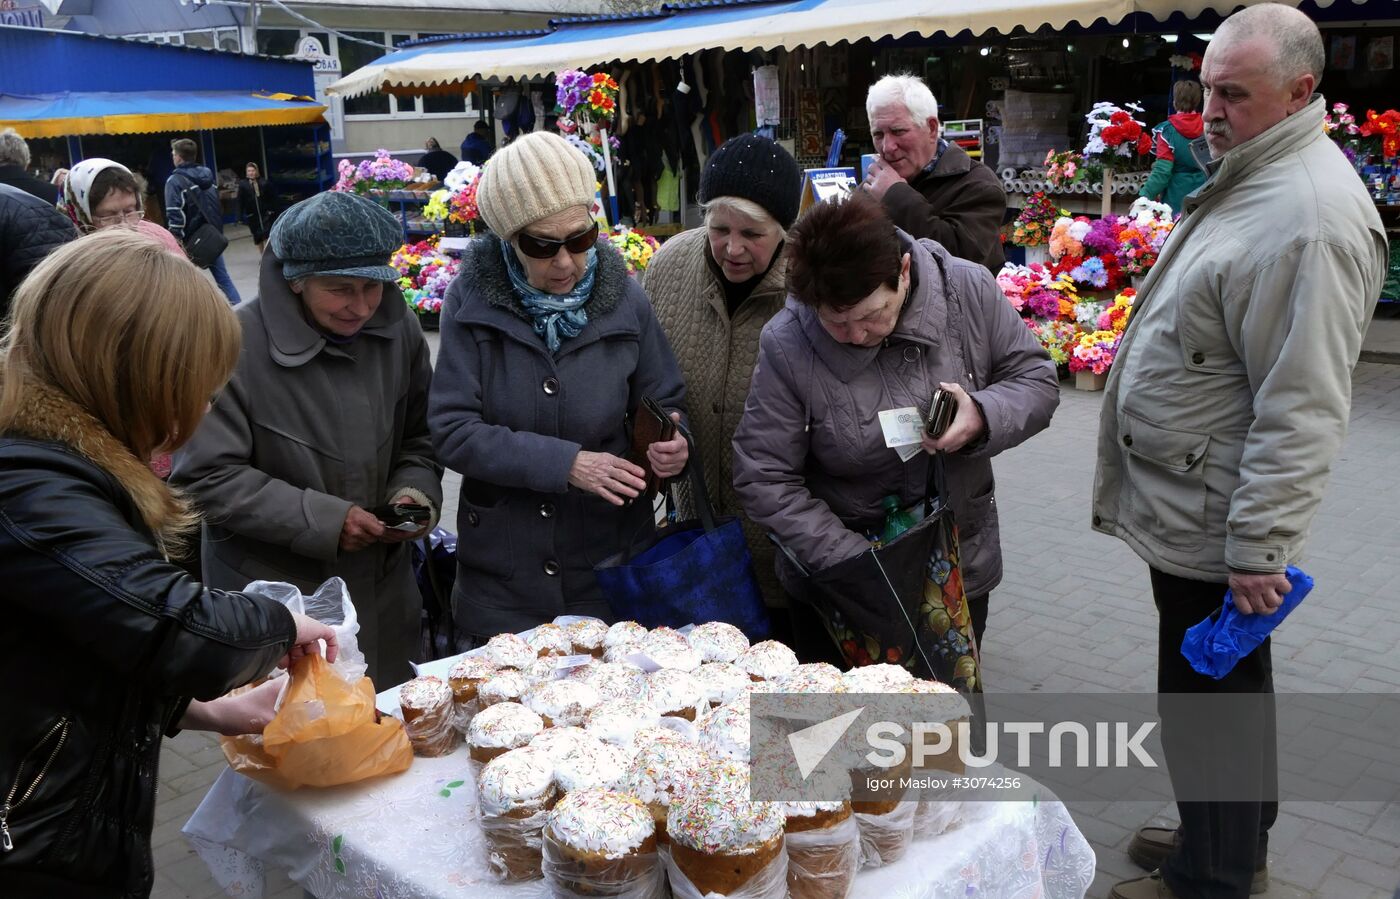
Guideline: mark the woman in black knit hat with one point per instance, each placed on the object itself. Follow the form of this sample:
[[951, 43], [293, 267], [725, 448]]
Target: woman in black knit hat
[[714, 288]]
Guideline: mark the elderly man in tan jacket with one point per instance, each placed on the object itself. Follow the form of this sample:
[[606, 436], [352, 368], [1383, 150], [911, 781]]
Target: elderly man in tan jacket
[[1229, 400]]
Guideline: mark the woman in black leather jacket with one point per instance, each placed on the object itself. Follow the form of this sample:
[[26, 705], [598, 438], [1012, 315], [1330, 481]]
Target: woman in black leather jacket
[[106, 644]]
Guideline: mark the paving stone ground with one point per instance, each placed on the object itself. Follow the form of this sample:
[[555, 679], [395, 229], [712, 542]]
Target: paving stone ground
[[1074, 613]]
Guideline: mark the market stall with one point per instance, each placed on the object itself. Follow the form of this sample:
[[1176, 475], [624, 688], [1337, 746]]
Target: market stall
[[76, 96], [419, 833]]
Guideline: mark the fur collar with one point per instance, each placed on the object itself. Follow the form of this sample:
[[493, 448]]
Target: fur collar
[[483, 259], [48, 414]]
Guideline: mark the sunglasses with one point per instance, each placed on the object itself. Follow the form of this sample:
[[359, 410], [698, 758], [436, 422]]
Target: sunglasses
[[540, 248]]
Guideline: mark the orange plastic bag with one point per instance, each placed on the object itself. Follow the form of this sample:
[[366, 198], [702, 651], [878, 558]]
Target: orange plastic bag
[[324, 734]]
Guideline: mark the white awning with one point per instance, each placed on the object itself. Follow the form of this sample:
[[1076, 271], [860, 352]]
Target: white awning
[[678, 29]]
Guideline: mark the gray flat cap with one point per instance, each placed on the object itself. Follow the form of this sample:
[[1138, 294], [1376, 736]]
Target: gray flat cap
[[337, 233]]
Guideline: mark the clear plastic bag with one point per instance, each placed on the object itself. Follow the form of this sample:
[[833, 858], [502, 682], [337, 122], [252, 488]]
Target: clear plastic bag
[[936, 816], [330, 604], [632, 877], [822, 864], [884, 839], [434, 735], [769, 883], [514, 846]]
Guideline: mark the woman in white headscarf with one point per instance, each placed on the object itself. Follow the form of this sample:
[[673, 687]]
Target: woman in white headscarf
[[102, 193]]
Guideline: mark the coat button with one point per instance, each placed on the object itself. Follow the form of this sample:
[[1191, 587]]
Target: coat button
[[473, 519], [1190, 458], [546, 510], [551, 386], [1127, 439], [551, 568], [911, 354], [1198, 358], [1097, 521], [714, 407], [1270, 557]]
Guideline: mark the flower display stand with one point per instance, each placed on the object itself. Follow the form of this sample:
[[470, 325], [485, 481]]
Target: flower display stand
[[429, 320], [1038, 254], [1087, 380]]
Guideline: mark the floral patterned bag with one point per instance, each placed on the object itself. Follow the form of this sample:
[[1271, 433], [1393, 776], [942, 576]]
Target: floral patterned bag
[[903, 603]]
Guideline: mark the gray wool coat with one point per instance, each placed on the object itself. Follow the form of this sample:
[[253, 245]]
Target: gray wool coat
[[810, 461], [511, 417], [306, 429]]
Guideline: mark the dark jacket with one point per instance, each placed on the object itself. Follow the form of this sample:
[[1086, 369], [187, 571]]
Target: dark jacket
[[438, 163], [104, 643], [960, 204], [476, 149], [15, 176], [29, 230], [810, 461], [192, 199], [305, 429], [511, 418], [255, 208]]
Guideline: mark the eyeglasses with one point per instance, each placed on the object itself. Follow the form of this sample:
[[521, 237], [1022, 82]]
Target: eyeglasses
[[129, 217], [541, 248]]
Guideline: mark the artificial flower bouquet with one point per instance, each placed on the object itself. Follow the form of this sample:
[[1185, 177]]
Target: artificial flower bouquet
[[635, 247], [1339, 124], [425, 273], [382, 173], [1115, 137], [1063, 169], [1094, 351], [1386, 126], [456, 203], [586, 98], [1038, 216]]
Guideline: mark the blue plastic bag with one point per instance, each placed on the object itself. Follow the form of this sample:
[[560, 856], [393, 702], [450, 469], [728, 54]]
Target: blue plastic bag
[[1217, 643]]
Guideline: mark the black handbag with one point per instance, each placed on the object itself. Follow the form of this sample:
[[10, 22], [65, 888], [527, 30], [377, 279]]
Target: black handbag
[[902, 603], [205, 245]]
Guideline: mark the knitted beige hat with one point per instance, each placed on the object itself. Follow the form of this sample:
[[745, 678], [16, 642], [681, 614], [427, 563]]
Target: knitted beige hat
[[533, 177]]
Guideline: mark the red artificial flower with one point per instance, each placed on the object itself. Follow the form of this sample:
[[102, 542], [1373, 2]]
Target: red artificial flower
[[596, 98], [1387, 126], [608, 104], [600, 77]]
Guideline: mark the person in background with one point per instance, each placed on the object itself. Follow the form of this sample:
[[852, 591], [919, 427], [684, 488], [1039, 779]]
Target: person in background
[[1227, 403], [931, 188], [876, 319], [30, 229], [100, 193], [95, 377], [14, 167], [547, 350], [437, 161], [255, 204], [323, 421], [476, 147], [1175, 173], [714, 288], [191, 201]]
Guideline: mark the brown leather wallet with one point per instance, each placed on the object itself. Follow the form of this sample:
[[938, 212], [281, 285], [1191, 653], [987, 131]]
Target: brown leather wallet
[[650, 424]]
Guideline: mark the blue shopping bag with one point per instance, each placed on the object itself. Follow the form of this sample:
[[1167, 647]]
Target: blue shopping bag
[[690, 572], [1215, 645]]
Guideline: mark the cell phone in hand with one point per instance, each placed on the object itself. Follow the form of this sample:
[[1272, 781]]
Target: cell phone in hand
[[940, 413], [407, 517]]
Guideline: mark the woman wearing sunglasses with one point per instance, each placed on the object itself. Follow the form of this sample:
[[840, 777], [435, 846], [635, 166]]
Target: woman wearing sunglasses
[[547, 349]]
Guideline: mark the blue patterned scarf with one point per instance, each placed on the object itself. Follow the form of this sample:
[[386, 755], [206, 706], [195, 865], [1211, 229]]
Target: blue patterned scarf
[[556, 316]]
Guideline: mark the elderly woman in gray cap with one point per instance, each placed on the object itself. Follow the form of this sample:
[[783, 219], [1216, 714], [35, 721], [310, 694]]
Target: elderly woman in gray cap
[[324, 420], [548, 347]]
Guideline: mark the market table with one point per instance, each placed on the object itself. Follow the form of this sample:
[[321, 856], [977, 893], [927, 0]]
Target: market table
[[415, 836]]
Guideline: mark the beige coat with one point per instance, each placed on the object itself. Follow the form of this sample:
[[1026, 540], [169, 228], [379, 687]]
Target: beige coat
[[717, 356], [1232, 388]]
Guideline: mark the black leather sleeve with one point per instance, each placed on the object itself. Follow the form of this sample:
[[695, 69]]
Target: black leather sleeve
[[92, 585]]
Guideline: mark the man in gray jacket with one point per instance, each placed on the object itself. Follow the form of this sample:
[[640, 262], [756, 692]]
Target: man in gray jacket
[[1229, 400]]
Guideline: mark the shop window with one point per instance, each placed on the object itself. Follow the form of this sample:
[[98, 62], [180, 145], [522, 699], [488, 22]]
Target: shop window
[[201, 39], [354, 55], [229, 39], [278, 42]]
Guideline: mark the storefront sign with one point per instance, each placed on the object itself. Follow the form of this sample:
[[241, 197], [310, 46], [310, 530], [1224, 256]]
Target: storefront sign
[[11, 13], [820, 185], [326, 71]]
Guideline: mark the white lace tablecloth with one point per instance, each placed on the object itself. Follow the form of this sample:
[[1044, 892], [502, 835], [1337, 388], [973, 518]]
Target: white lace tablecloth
[[415, 836]]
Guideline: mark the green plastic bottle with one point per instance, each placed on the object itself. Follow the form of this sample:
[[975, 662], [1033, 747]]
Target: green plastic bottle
[[897, 520]]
